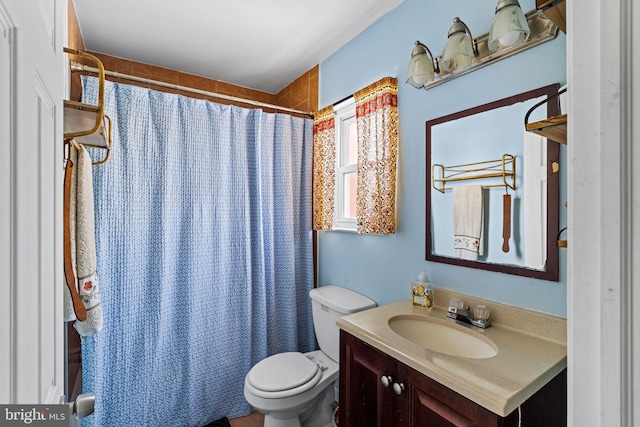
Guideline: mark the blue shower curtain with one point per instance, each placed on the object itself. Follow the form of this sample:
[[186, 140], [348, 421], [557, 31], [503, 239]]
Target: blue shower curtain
[[203, 229]]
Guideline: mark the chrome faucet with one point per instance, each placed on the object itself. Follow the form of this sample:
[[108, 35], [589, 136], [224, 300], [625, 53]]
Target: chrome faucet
[[481, 318]]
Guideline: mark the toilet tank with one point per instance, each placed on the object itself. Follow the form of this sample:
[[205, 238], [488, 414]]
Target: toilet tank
[[328, 303]]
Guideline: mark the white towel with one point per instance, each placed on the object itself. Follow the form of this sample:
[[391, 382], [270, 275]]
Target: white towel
[[83, 246], [468, 222]]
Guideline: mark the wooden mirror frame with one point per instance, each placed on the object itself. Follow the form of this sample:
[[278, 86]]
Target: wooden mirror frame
[[553, 191]]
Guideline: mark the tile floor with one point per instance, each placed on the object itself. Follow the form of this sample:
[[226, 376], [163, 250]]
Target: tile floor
[[255, 419]]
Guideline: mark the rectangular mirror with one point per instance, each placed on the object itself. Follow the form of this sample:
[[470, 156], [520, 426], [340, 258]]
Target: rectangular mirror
[[486, 153]]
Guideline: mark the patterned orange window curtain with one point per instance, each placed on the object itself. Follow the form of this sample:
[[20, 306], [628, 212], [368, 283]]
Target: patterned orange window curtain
[[324, 164], [377, 124]]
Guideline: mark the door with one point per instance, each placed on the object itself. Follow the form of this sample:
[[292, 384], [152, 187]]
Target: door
[[32, 83], [427, 403], [365, 400]]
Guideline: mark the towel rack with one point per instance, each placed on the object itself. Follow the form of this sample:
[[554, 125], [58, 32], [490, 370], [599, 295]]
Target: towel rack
[[87, 123], [504, 168]]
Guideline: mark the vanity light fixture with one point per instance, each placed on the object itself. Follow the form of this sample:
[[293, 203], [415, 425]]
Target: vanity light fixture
[[460, 48], [422, 66], [464, 54], [509, 27]]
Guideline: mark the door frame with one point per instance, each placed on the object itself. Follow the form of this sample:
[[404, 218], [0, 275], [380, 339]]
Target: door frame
[[603, 332]]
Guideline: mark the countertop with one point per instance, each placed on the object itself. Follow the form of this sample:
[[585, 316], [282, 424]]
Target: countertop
[[532, 350]]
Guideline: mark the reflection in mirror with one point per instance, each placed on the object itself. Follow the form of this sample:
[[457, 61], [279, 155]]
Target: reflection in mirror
[[493, 188]]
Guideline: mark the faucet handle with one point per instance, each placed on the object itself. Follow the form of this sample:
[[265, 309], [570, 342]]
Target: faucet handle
[[481, 312], [456, 303]]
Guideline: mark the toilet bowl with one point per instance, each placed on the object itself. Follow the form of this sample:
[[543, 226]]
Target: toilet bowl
[[297, 389], [285, 387]]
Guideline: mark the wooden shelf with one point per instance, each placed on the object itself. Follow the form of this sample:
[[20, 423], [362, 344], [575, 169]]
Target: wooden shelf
[[554, 128], [556, 11]]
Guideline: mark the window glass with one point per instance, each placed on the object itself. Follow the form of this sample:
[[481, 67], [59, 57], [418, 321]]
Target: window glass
[[350, 195], [353, 143], [346, 160]]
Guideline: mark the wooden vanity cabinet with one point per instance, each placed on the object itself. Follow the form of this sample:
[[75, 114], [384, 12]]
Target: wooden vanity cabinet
[[366, 402]]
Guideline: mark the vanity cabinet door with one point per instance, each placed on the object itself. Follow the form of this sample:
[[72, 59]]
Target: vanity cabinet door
[[426, 403], [364, 400]]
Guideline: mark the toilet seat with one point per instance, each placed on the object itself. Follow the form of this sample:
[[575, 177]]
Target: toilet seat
[[283, 375]]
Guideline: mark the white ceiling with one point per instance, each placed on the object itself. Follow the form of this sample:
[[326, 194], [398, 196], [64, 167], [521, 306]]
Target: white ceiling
[[259, 44]]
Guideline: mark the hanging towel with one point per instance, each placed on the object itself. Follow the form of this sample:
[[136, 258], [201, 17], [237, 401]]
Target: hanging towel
[[82, 244], [468, 222]]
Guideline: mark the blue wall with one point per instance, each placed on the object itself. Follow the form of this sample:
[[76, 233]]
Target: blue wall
[[382, 267]]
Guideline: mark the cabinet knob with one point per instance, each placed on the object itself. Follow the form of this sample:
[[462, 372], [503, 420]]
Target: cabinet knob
[[398, 388], [386, 380]]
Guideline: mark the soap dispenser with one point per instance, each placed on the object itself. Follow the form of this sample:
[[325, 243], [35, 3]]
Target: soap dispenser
[[421, 291]]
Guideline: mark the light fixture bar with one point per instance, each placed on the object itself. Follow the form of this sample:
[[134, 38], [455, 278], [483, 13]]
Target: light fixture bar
[[542, 30]]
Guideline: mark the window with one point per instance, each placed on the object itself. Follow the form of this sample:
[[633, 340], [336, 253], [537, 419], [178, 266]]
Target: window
[[365, 126], [346, 161]]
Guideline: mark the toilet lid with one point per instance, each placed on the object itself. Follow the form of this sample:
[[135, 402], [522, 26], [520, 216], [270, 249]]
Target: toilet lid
[[283, 371]]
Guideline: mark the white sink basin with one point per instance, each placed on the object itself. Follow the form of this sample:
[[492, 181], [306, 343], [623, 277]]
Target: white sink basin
[[443, 338]]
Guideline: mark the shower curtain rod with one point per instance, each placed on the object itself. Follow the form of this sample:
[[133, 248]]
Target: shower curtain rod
[[85, 68]]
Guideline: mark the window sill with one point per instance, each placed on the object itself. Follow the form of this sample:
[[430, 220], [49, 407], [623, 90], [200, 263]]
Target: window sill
[[344, 230]]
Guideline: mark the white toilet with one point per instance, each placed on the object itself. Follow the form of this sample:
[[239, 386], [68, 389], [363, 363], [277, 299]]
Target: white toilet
[[296, 389]]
